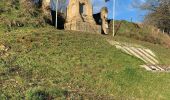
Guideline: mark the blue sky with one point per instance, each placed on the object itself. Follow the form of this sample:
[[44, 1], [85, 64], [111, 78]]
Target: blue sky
[[125, 9]]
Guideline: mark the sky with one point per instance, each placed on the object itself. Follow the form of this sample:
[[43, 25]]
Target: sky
[[125, 9]]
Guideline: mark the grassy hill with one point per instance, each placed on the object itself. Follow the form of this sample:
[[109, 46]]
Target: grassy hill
[[38, 63], [20, 13], [50, 62], [140, 32]]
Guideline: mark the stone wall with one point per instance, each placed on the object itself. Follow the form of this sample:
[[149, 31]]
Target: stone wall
[[83, 26], [46, 6]]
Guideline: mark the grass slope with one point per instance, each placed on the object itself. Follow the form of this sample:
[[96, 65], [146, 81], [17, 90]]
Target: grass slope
[[45, 63], [49, 61]]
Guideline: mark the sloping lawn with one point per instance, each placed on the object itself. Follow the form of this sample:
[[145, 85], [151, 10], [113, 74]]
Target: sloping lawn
[[44, 62]]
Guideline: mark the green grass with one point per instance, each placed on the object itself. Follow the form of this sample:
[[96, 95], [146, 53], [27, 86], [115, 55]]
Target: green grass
[[45, 63], [67, 60], [63, 58], [16, 13]]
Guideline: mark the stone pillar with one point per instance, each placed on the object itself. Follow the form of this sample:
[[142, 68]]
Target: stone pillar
[[104, 14]]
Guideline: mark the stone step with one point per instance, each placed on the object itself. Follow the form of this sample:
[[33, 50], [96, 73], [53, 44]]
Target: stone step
[[150, 52], [139, 53], [146, 55], [133, 53], [156, 68], [143, 56]]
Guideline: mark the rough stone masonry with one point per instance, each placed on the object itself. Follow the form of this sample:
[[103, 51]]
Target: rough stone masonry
[[80, 17]]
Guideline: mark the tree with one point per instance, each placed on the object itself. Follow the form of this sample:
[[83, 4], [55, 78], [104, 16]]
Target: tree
[[159, 14]]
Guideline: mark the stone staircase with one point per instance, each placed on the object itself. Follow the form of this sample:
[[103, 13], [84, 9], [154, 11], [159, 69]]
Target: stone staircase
[[144, 54]]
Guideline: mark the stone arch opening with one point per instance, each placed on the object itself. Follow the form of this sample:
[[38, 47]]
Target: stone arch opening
[[82, 9]]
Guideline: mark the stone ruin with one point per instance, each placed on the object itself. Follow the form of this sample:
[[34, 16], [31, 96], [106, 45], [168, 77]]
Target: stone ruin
[[103, 16], [80, 17], [46, 6]]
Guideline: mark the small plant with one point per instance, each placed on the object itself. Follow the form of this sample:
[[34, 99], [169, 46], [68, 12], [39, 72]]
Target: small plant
[[41, 93], [38, 93]]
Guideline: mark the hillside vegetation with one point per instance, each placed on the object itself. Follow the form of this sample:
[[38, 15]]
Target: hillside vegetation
[[20, 13], [39, 62], [141, 32]]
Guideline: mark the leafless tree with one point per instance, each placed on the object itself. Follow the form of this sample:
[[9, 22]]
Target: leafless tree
[[158, 14]]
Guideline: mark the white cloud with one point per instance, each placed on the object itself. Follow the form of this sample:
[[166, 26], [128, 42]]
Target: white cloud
[[137, 3]]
